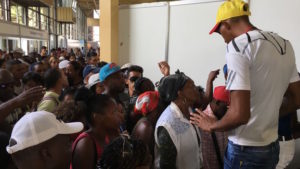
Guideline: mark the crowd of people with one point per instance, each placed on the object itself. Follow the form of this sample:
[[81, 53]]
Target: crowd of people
[[69, 109]]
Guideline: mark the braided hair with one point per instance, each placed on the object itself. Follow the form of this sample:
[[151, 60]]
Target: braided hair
[[124, 153]]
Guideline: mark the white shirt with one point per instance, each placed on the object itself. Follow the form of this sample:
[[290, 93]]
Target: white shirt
[[263, 63], [184, 137]]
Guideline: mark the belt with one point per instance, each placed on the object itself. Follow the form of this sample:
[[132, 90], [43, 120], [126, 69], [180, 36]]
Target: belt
[[285, 138]]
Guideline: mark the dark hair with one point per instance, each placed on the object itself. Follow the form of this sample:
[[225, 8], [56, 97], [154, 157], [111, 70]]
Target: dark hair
[[82, 94], [51, 77], [43, 47], [67, 91], [2, 61], [32, 76], [32, 66], [101, 64], [77, 67], [29, 59], [124, 153], [135, 68], [11, 63], [71, 111], [243, 18], [97, 104], [139, 85], [91, 54]]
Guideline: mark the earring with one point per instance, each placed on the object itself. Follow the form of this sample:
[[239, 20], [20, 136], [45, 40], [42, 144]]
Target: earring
[[184, 101]]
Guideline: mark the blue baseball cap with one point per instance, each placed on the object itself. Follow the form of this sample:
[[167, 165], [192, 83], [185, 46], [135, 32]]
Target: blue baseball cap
[[108, 70], [88, 69]]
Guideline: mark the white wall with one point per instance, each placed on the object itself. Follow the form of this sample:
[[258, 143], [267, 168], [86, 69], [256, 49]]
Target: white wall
[[143, 34], [280, 16], [191, 48]]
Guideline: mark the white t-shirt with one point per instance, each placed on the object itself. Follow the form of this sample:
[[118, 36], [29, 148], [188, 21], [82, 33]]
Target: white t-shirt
[[263, 63]]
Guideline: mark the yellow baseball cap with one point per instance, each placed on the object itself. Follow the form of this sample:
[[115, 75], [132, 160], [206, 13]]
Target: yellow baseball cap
[[230, 9]]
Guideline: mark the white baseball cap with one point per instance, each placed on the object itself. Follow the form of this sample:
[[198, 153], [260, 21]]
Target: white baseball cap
[[63, 64], [126, 66], [37, 127], [94, 79]]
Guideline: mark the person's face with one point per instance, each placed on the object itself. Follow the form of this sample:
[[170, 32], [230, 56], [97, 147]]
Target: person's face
[[131, 83], [7, 90], [54, 64], [61, 152], [219, 108], [110, 120], [17, 71], [226, 31], [93, 61], [70, 71], [40, 69], [191, 93], [72, 58], [116, 82], [68, 97], [99, 88], [30, 84], [44, 51]]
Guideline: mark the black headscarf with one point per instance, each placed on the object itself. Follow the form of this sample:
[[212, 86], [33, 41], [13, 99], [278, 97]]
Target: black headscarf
[[170, 85]]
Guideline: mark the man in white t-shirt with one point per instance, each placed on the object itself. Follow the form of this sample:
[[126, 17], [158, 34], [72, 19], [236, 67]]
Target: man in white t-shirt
[[261, 67]]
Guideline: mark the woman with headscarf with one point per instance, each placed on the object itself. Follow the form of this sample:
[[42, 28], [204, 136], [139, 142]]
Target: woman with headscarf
[[177, 140]]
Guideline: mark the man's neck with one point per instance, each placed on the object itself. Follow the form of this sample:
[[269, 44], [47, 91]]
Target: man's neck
[[56, 90], [113, 94], [243, 28], [77, 80]]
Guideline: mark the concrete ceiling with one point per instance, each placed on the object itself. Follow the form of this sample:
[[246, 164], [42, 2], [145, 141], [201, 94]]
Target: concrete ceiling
[[89, 5]]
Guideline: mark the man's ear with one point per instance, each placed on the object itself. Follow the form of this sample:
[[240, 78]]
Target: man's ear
[[179, 94], [227, 26]]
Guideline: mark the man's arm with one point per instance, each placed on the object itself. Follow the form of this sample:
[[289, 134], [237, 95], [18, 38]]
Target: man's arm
[[209, 84], [292, 102], [237, 114], [166, 149], [26, 97]]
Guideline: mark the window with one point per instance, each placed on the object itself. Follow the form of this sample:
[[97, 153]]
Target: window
[[21, 15], [44, 18], [13, 13], [2, 11], [58, 28], [33, 17], [17, 14]]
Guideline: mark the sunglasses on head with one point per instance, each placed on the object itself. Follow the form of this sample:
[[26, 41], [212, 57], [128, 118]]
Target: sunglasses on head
[[6, 85]]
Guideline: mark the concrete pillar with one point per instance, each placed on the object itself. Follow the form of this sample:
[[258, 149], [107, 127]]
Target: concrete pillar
[[109, 30]]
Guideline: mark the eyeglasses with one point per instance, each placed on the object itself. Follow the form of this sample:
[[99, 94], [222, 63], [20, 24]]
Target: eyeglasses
[[133, 78]]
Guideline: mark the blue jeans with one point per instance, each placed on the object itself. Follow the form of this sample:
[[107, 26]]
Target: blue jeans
[[248, 157]]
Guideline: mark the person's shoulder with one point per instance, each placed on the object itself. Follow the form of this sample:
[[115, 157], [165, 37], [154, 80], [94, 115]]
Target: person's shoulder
[[144, 125], [84, 145], [242, 42]]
